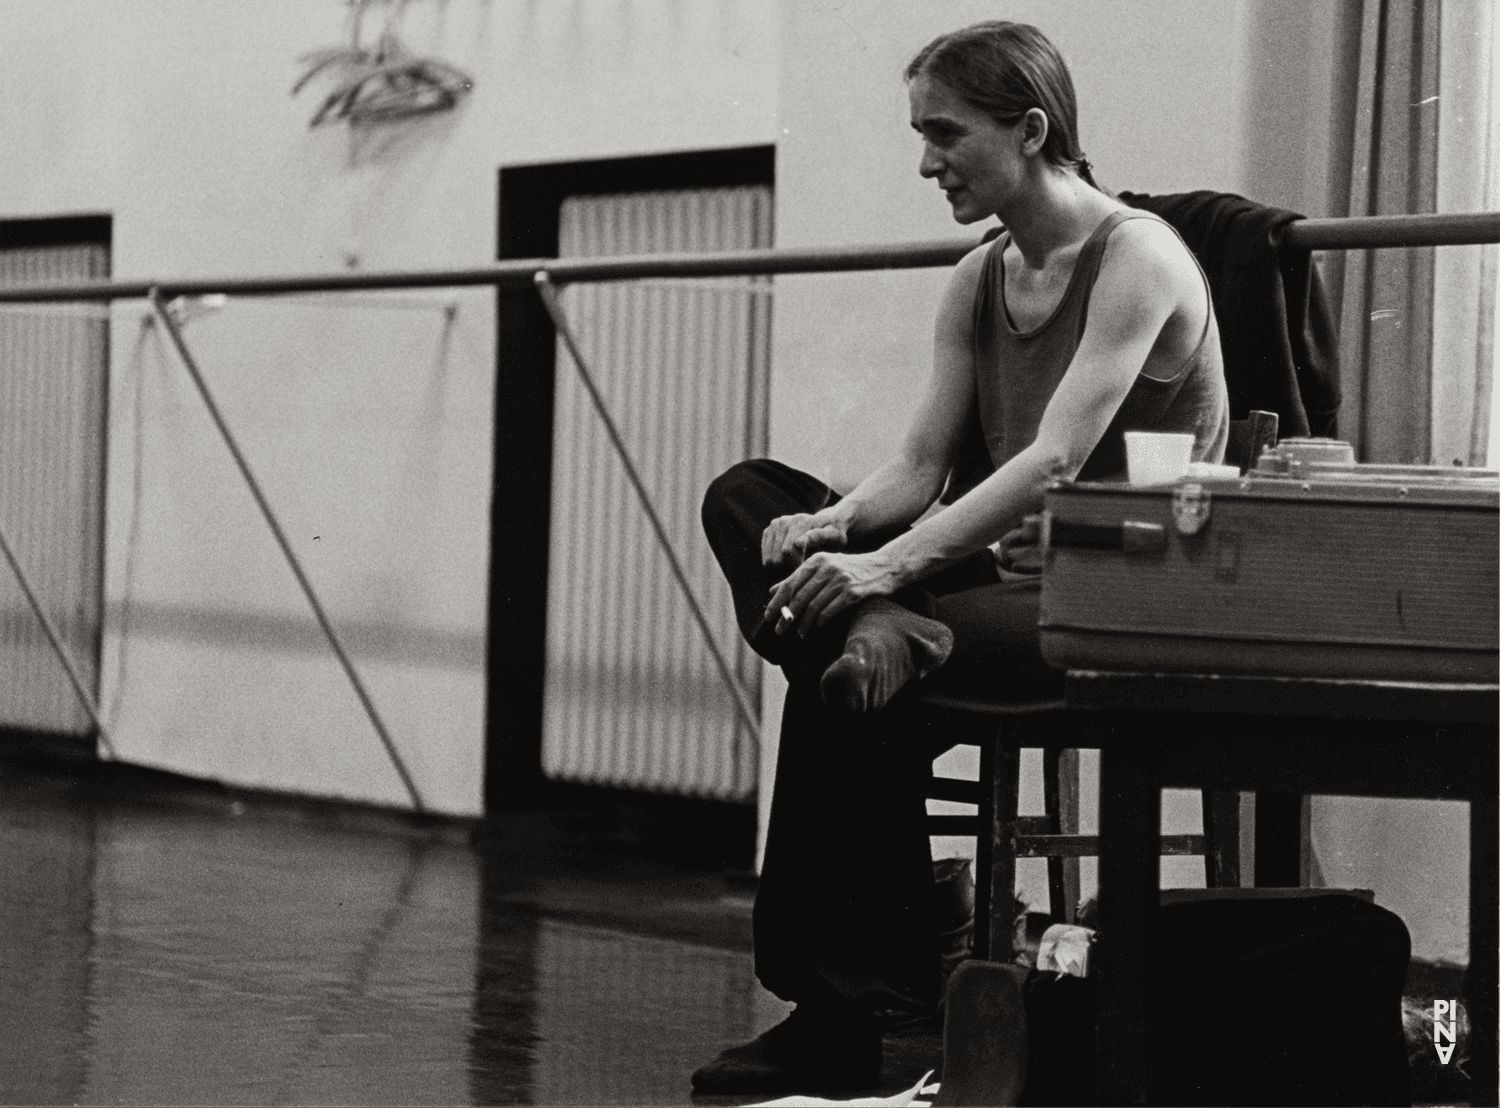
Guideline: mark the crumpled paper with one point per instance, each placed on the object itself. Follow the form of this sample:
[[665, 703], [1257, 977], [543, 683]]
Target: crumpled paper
[[1065, 949], [905, 1099]]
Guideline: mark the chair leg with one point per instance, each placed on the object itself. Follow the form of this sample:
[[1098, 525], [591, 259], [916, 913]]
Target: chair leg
[[1060, 790], [984, 849], [1070, 775], [1221, 833], [1000, 769]]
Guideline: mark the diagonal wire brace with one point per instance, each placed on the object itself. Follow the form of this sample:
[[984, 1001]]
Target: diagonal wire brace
[[185, 356], [748, 716], [58, 647]]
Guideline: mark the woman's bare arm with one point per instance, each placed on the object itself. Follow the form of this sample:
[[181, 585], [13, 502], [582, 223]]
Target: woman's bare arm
[[1136, 292], [1140, 285], [905, 486]]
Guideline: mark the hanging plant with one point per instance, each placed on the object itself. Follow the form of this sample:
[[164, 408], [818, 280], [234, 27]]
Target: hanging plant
[[384, 83]]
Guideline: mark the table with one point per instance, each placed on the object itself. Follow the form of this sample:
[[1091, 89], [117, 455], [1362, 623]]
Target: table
[[1290, 735]]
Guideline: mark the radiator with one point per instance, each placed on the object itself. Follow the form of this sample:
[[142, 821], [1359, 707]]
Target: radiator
[[52, 393], [633, 697]]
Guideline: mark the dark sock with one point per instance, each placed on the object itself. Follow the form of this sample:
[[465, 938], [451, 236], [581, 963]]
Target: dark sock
[[887, 646]]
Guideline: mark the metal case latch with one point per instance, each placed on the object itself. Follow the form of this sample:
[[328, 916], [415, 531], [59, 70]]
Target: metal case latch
[[1190, 504]]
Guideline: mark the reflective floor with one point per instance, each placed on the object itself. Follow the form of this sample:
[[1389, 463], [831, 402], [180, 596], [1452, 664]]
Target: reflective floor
[[198, 950]]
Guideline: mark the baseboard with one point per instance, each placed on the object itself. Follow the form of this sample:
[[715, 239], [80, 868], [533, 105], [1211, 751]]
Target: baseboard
[[73, 762]]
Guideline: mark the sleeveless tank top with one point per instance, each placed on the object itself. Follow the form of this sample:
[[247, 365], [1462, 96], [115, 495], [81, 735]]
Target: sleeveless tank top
[[1016, 373]]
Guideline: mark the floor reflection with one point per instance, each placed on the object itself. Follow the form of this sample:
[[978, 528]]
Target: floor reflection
[[185, 954], [46, 915], [623, 1019]]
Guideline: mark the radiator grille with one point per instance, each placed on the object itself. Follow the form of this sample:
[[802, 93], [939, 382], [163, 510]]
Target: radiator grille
[[52, 395], [633, 697]]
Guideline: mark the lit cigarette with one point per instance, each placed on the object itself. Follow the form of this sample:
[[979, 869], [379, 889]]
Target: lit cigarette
[[787, 614]]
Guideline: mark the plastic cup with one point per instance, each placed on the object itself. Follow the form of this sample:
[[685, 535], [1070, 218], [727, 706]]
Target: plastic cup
[[1156, 457]]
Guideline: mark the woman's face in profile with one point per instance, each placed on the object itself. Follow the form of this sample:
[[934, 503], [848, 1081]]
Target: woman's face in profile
[[975, 160]]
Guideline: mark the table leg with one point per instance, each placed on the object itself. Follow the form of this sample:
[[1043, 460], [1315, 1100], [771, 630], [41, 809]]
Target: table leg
[[1278, 840], [1221, 833], [1483, 977], [1129, 896]]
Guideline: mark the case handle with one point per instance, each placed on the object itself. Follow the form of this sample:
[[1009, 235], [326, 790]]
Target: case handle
[[1132, 536]]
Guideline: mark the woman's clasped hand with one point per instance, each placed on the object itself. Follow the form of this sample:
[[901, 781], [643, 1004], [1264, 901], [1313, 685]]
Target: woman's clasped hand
[[790, 539]]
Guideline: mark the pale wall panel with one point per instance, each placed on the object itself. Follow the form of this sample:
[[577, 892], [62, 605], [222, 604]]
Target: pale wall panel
[[372, 427]]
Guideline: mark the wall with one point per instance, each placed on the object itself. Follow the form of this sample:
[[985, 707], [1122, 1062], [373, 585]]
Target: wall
[[1238, 96], [368, 419]]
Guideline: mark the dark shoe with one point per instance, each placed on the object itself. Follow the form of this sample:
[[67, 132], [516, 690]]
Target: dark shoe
[[807, 1052], [887, 647], [984, 1035]]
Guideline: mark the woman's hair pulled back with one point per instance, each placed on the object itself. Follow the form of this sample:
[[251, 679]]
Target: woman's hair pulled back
[[1004, 70]]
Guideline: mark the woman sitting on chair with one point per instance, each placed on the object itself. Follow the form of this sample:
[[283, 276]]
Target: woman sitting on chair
[[1083, 319]]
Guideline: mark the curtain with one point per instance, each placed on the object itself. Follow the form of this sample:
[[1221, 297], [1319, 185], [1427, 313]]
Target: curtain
[[1386, 325], [1417, 325], [1464, 302]]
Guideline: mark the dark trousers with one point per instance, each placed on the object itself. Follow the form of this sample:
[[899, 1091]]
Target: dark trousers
[[845, 911]]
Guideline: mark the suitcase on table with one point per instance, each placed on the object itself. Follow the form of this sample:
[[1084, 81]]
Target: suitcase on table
[[1309, 566]]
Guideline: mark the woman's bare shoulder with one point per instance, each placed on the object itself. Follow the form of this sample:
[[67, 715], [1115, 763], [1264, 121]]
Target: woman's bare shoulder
[[963, 285], [956, 310], [1148, 249]]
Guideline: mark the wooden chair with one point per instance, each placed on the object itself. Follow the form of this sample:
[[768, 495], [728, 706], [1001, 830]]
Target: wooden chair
[[1002, 728]]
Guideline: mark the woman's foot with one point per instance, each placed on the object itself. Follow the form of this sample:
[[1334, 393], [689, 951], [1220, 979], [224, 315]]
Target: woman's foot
[[809, 1051], [887, 646]]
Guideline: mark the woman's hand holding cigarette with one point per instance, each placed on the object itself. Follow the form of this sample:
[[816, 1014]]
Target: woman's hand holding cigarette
[[827, 583]]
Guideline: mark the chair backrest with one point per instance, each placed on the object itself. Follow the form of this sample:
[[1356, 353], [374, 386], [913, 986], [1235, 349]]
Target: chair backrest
[[1248, 437]]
